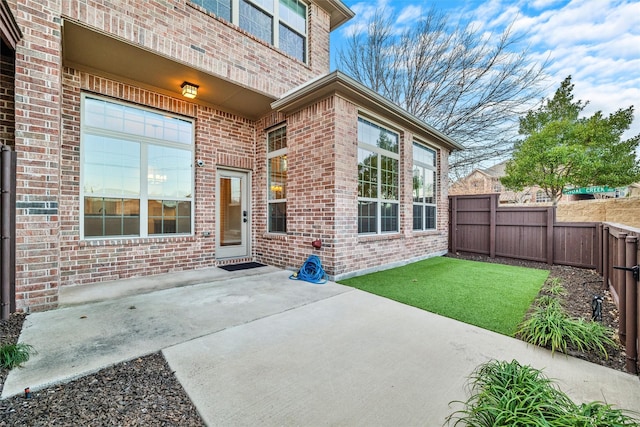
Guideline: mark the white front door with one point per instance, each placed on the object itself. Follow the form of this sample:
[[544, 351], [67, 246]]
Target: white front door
[[233, 218]]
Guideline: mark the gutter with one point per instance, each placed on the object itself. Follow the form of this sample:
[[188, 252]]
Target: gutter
[[337, 82]]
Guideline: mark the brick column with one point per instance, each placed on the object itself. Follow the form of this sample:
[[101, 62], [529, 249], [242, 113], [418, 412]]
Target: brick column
[[37, 136]]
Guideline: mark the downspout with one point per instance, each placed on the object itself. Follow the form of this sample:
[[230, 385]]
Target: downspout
[[7, 254]]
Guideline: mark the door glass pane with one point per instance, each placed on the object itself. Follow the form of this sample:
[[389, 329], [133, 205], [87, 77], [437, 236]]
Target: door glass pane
[[230, 211]]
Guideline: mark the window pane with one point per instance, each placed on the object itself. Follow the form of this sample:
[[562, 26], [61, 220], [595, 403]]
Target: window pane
[[417, 217], [429, 187], [256, 22], [424, 155], [277, 177], [111, 217], [367, 217], [221, 8], [169, 172], [169, 217], [291, 43], [418, 184], [389, 217], [135, 121], [111, 166], [277, 139], [430, 220], [278, 217], [372, 134], [389, 184], [367, 174], [294, 14]]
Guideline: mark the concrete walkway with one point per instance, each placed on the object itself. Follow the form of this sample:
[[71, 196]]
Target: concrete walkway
[[255, 348]]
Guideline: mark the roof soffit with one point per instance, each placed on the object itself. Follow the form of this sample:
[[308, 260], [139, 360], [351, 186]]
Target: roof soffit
[[338, 12], [90, 50]]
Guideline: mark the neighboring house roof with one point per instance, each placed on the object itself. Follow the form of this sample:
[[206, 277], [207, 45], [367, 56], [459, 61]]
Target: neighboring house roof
[[496, 171], [339, 83]]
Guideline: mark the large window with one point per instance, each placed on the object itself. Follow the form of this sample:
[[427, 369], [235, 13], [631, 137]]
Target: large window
[[136, 171], [424, 188], [277, 180], [282, 23], [378, 178]]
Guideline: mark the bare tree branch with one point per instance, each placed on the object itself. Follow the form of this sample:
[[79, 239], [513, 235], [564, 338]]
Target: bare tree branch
[[463, 82]]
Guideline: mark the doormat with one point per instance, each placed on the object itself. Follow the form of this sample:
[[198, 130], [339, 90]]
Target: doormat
[[241, 266]]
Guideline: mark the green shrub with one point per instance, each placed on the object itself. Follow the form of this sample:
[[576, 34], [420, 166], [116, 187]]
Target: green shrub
[[12, 355], [549, 326], [554, 287], [510, 394]]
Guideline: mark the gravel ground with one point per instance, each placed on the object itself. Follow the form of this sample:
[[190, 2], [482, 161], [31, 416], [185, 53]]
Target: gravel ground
[[144, 391], [140, 392]]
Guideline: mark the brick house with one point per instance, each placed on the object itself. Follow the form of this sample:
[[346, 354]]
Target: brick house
[[194, 133], [486, 181]]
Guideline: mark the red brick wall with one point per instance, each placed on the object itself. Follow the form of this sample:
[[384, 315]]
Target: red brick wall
[[322, 196], [183, 31], [37, 137]]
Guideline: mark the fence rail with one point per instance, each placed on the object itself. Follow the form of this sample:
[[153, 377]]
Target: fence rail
[[478, 225]]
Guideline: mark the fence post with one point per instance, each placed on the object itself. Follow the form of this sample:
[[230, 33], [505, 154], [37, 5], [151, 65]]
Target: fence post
[[453, 225], [621, 288], [551, 219], [605, 256], [632, 308], [492, 225]]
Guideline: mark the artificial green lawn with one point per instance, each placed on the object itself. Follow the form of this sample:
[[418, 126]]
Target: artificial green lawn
[[491, 296]]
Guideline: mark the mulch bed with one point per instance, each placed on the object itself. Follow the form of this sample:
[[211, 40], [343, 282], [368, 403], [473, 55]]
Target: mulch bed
[[140, 392], [145, 391]]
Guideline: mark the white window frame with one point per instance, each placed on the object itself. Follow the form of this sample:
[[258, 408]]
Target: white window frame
[[144, 142], [433, 168], [270, 155], [379, 200]]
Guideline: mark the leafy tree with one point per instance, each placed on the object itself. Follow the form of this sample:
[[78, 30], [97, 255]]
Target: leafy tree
[[562, 149], [465, 83]]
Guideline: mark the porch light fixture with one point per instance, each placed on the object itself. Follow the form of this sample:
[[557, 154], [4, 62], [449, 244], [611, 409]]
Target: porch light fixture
[[189, 90]]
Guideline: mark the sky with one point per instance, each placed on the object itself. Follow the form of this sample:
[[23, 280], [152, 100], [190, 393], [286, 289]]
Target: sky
[[597, 42]]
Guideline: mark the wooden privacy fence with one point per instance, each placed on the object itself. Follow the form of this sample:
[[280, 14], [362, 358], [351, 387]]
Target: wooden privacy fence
[[620, 271], [478, 224]]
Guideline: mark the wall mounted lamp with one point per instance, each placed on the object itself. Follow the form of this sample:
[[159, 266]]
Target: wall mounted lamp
[[189, 90]]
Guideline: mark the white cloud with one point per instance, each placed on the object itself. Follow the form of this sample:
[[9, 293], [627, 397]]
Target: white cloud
[[409, 15], [596, 42]]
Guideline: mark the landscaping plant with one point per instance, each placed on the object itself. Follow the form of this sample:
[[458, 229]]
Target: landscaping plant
[[509, 394], [549, 326], [12, 355]]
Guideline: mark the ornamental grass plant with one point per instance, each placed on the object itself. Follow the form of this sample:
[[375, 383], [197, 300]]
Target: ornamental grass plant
[[509, 394], [548, 325], [13, 355]]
